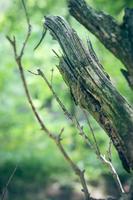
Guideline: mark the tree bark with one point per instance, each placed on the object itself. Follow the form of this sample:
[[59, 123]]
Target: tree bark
[[117, 38], [92, 89]]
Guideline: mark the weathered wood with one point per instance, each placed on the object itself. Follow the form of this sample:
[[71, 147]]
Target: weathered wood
[[92, 89], [117, 38]]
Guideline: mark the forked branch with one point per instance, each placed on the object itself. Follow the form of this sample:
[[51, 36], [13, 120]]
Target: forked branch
[[86, 139], [56, 138]]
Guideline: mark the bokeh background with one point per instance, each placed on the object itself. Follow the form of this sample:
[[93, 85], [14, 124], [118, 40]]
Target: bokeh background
[[42, 173]]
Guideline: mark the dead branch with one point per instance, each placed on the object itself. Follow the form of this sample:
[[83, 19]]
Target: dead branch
[[118, 38], [75, 122], [92, 90]]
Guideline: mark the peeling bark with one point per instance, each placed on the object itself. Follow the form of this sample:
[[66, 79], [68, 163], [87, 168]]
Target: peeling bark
[[92, 89], [117, 38]]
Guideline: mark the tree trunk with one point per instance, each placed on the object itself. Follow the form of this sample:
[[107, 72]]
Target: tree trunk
[[117, 38]]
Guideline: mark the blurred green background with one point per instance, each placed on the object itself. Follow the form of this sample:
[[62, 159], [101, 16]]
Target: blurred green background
[[42, 172]]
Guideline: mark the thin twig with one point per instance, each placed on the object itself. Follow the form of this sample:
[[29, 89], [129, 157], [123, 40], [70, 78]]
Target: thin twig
[[8, 182], [26, 13], [108, 163], [55, 138], [114, 173], [75, 122], [75, 168], [29, 29], [13, 43], [66, 112]]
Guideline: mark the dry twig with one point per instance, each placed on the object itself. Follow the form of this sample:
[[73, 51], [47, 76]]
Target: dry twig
[[108, 162], [66, 112], [55, 138], [85, 137], [82, 133]]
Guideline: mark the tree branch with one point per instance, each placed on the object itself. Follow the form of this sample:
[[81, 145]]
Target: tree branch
[[73, 119], [92, 89], [56, 139], [106, 162], [117, 38], [75, 122]]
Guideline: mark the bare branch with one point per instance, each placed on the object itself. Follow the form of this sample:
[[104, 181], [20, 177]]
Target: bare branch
[[114, 173], [85, 137], [29, 29], [117, 38], [75, 168], [108, 163], [56, 139], [13, 43], [26, 13], [66, 112]]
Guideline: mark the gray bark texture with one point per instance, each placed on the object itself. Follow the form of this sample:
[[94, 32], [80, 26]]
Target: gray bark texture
[[92, 89], [117, 38]]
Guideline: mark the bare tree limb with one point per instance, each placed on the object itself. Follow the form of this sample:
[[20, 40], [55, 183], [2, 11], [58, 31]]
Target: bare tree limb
[[95, 147], [65, 111], [56, 139], [117, 38], [101, 157], [92, 90], [113, 172]]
